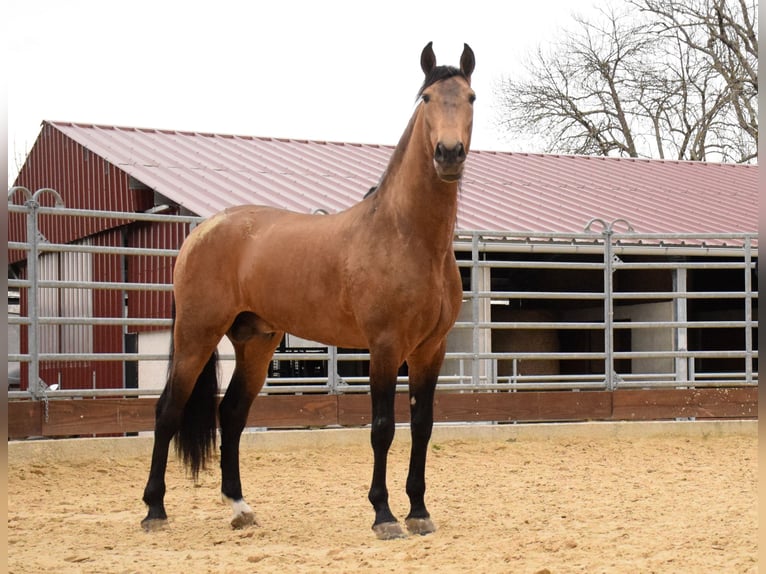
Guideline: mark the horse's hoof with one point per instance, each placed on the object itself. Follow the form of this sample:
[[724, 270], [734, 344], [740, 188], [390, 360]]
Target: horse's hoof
[[154, 524], [388, 531], [420, 526], [243, 520]]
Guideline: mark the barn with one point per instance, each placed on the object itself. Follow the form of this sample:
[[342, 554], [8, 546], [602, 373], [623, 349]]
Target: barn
[[579, 272]]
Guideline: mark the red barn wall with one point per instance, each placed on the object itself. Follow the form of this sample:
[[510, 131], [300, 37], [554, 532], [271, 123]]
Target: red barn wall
[[153, 269], [87, 181], [84, 181]]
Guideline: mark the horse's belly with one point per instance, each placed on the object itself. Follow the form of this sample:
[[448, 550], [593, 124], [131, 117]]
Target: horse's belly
[[322, 321], [337, 338], [319, 319]]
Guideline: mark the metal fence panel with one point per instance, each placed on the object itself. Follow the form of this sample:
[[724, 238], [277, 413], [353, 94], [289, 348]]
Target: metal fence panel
[[542, 311]]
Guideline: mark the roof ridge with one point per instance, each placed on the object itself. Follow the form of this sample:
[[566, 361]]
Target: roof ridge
[[541, 155], [195, 133]]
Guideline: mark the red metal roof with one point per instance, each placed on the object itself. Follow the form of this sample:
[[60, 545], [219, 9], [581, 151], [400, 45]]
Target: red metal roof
[[500, 191]]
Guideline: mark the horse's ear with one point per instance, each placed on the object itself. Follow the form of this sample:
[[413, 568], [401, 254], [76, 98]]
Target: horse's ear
[[467, 61], [427, 59]]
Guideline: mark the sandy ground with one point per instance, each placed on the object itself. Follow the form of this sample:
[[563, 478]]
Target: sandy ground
[[510, 502]]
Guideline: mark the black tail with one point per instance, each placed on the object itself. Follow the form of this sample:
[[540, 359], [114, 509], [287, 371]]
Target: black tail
[[195, 441]]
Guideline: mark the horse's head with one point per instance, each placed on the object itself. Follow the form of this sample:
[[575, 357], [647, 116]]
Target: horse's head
[[447, 107]]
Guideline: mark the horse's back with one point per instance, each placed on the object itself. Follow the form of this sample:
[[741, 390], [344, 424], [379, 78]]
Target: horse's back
[[285, 267], [240, 231]]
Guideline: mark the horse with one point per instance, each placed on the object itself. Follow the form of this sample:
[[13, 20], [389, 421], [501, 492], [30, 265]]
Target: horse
[[380, 275]]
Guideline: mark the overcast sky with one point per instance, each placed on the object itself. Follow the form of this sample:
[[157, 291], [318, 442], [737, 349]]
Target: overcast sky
[[328, 70]]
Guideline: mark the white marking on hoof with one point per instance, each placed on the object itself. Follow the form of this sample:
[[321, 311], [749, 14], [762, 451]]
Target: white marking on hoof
[[242, 515], [388, 531]]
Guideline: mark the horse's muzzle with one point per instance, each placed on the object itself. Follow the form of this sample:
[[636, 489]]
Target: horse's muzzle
[[449, 161]]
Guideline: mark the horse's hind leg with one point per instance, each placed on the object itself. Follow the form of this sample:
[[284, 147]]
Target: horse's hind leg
[[253, 356], [188, 365], [424, 366], [167, 423]]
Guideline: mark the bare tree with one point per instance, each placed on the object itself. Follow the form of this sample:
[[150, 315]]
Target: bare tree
[[722, 34], [634, 84]]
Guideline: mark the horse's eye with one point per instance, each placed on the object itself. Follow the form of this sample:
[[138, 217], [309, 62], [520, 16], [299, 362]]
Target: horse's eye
[[426, 98], [471, 98]]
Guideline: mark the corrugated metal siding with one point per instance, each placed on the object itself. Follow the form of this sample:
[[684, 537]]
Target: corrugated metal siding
[[83, 178], [48, 303], [556, 193], [91, 165], [500, 191], [76, 302], [107, 303], [206, 172], [152, 269]]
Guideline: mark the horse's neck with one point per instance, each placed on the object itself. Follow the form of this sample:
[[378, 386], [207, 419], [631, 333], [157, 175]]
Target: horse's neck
[[419, 203]]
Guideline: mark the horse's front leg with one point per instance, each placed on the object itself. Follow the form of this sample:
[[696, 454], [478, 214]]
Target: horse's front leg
[[383, 390], [424, 373]]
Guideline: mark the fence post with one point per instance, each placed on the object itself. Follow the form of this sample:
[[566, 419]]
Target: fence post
[[748, 311], [31, 204], [475, 307], [606, 234], [33, 311], [610, 380], [332, 370], [681, 339], [608, 310]]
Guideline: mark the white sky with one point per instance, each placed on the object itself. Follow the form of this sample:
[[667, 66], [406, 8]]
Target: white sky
[[333, 70]]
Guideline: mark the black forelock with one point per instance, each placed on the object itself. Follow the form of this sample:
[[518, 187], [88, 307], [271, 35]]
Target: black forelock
[[438, 74]]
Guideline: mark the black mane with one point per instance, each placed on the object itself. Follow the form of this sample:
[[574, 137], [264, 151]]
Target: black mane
[[438, 74]]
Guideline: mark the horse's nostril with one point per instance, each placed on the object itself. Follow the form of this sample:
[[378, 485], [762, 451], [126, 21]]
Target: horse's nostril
[[445, 155], [440, 153]]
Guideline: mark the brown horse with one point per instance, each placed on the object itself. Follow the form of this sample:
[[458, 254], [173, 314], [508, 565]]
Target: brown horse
[[380, 275]]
